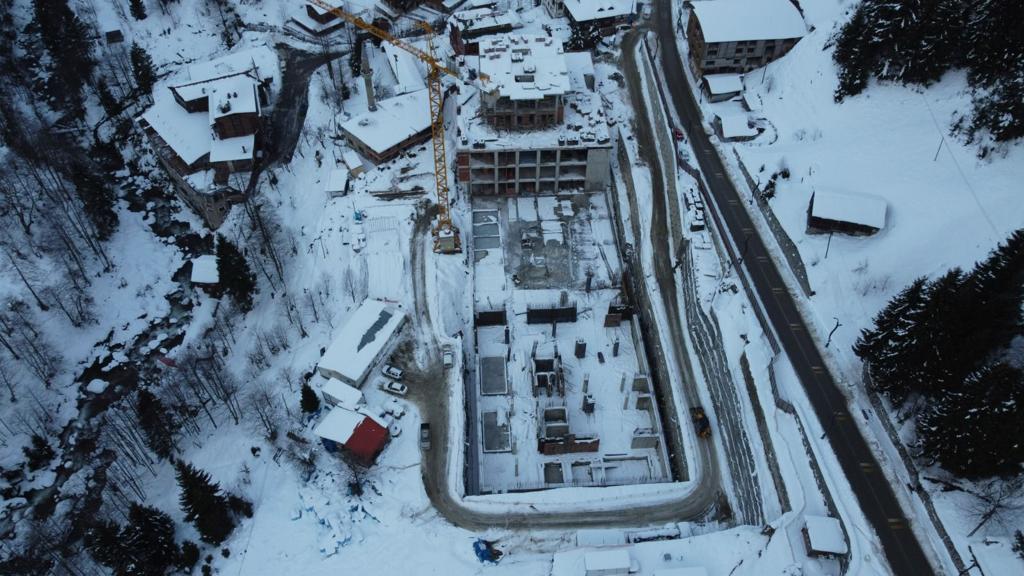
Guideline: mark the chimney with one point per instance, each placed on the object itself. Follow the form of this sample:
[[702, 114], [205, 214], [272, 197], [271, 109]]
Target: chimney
[[371, 98]]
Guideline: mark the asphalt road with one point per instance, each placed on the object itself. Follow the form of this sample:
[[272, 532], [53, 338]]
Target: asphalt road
[[869, 484]]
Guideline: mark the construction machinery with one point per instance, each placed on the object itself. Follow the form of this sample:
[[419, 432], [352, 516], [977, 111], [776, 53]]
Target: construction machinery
[[701, 422], [446, 235]]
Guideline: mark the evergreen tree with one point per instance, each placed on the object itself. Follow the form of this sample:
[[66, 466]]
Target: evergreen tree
[[138, 9], [584, 37], [148, 539], [157, 424], [853, 56], [310, 403], [189, 556], [977, 430], [993, 39], [66, 39], [204, 504], [107, 155], [941, 356], [889, 345], [998, 107], [142, 68], [39, 454], [996, 291], [98, 199], [236, 278], [104, 543], [143, 547], [110, 104], [355, 59]]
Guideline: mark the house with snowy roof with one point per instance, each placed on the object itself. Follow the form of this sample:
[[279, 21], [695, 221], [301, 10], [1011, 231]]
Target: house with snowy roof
[[397, 124], [356, 436], [824, 537], [361, 342], [857, 214], [730, 36], [206, 126], [605, 14]]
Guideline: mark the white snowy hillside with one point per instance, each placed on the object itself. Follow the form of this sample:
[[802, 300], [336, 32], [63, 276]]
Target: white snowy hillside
[[946, 207]]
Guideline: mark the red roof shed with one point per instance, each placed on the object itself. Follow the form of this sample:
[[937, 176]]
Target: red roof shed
[[367, 441]]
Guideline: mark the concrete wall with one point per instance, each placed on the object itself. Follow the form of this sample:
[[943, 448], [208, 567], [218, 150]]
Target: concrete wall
[[524, 172]]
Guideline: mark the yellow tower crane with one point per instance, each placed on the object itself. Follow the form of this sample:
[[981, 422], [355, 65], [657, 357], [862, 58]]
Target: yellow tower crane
[[446, 235]]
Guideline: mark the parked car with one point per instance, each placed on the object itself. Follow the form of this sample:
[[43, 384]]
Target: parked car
[[447, 357], [396, 388], [425, 436], [677, 134], [392, 372]]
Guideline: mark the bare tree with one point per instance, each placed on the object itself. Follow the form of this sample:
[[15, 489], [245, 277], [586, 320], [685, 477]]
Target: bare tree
[[996, 500]]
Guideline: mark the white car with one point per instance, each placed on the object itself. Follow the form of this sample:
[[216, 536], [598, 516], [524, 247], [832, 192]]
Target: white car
[[447, 357], [392, 372], [396, 388]]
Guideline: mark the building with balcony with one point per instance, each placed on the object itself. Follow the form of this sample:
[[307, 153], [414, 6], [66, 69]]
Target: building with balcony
[[538, 127]]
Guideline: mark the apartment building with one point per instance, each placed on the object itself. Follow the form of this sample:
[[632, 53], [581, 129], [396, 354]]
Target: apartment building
[[736, 36], [539, 129]]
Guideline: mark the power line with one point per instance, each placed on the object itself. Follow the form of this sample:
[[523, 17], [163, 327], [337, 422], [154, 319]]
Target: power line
[[967, 182]]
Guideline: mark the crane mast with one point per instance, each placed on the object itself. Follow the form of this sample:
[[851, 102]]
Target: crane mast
[[446, 235]]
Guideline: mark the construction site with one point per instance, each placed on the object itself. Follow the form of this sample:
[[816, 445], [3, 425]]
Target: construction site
[[562, 396]]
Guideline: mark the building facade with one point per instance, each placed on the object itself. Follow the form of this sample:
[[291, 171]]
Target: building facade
[[540, 130], [718, 45]]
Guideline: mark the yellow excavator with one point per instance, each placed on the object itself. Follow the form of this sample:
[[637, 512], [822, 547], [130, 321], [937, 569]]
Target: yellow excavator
[[446, 235]]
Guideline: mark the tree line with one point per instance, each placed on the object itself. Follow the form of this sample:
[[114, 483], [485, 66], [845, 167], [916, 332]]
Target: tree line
[[944, 347], [917, 41]]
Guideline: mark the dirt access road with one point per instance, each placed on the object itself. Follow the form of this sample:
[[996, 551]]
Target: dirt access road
[[430, 390]]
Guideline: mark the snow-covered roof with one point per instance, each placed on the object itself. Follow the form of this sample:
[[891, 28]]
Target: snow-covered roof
[[862, 209], [724, 83], [524, 67], [188, 134], [405, 67], [735, 126], [257, 63], [395, 120], [204, 270], [337, 180], [346, 396], [477, 19], [322, 11], [234, 95], [261, 59], [232, 149], [352, 160], [601, 560], [338, 425], [579, 65], [362, 339], [825, 534], [736, 20], [586, 10]]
